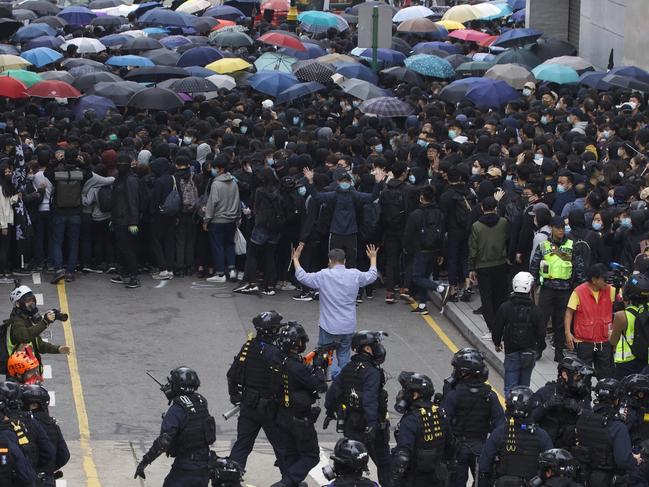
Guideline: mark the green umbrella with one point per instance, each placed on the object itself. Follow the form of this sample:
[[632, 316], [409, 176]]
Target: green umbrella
[[556, 73], [28, 78], [473, 68], [272, 61]]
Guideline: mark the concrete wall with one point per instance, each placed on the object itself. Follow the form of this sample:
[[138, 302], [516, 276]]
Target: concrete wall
[[602, 27], [636, 41]]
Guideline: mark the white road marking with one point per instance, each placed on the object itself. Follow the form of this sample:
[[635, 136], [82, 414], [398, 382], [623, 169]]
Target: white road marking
[[61, 483], [160, 285], [39, 299], [47, 371], [36, 277], [316, 472], [52, 398]]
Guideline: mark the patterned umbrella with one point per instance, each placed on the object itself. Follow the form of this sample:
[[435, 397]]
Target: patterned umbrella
[[298, 91], [362, 89], [429, 65], [191, 84], [313, 71], [514, 75], [274, 61], [155, 99], [386, 106]]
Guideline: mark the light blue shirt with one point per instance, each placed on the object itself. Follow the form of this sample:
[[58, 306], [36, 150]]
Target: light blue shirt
[[338, 288]]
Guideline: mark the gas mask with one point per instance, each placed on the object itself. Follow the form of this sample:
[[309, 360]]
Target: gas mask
[[378, 353], [28, 305], [402, 401]]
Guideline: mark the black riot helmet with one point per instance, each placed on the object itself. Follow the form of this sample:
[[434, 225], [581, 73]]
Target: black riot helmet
[[292, 337], [468, 363], [578, 372], [35, 394], [267, 324], [636, 387], [372, 339], [607, 391], [412, 382], [11, 396], [557, 462], [636, 289], [520, 403], [181, 380], [350, 457]]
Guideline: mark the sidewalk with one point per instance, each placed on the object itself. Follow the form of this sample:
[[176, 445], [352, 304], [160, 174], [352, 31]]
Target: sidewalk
[[473, 327]]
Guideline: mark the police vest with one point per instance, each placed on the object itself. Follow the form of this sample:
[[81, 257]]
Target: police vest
[[558, 422], [640, 428], [559, 262], [352, 481], [593, 318], [623, 352], [52, 429], [200, 428], [294, 397], [519, 454], [352, 377], [6, 464], [430, 440], [472, 418], [257, 371], [593, 436]]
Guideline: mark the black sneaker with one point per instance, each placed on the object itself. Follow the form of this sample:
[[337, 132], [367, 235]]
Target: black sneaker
[[117, 279], [369, 293], [23, 272], [132, 283], [58, 276], [445, 294], [477, 311], [69, 277], [303, 296], [465, 295], [86, 269], [359, 298], [420, 311]]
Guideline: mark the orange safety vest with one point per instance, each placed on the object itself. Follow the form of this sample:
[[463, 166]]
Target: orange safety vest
[[592, 318]]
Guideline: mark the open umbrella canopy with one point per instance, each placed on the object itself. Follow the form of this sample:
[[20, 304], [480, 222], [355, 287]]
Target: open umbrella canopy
[[386, 106], [514, 75], [575, 62], [85, 45], [115, 40], [167, 18], [28, 78], [457, 59], [155, 32], [518, 16], [173, 42], [312, 70], [53, 89], [119, 92], [11, 61], [80, 61], [8, 27], [198, 71], [518, 56], [100, 4], [129, 60], [311, 51], [32, 31], [9, 49], [12, 88], [461, 13], [516, 4], [473, 68], [41, 56], [275, 61], [386, 56], [231, 39], [21, 14], [298, 91], [492, 10], [415, 12], [450, 25], [272, 83], [282, 39], [40, 7], [430, 65], [155, 74], [626, 82], [359, 71], [555, 73], [405, 75], [79, 71], [456, 91], [108, 21], [97, 104], [58, 76], [52, 20], [400, 45], [631, 72], [162, 56], [317, 22], [199, 56], [225, 12], [469, 35], [223, 81], [444, 46], [337, 59], [420, 26], [194, 6], [517, 37], [362, 89], [594, 79], [141, 44], [494, 94], [428, 48], [83, 83], [228, 65], [191, 84], [276, 5], [547, 48], [155, 99], [77, 15]]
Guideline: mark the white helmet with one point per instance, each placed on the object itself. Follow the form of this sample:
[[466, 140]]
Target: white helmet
[[18, 293], [523, 282]]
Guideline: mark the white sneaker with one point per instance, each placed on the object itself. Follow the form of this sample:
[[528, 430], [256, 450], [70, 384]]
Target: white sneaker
[[240, 276], [162, 275], [486, 336], [232, 274], [217, 278], [285, 286]]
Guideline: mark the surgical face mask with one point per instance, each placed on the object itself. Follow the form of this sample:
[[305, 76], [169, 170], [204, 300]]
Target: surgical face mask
[[271, 140], [538, 158], [561, 188], [544, 120], [452, 134], [243, 129], [301, 190], [296, 120], [412, 179], [214, 172], [475, 171], [188, 140], [378, 148], [270, 161], [567, 228], [610, 200], [626, 222], [633, 104], [527, 92], [345, 185], [597, 226], [509, 177], [569, 119], [355, 103], [606, 134], [422, 143]]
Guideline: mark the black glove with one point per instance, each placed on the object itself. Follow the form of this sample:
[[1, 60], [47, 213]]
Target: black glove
[[328, 418], [139, 471], [368, 435], [235, 398]]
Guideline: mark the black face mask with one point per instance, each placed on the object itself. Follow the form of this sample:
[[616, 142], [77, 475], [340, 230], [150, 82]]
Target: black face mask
[[29, 307], [123, 168]]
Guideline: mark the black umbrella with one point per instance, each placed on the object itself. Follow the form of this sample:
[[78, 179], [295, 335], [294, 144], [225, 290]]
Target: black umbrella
[[155, 99], [205, 24], [99, 4], [198, 40], [83, 83], [457, 59], [312, 70], [626, 82], [8, 27], [191, 84], [40, 7], [142, 44], [108, 21], [80, 61], [120, 92], [162, 57], [405, 75], [232, 39], [52, 20], [155, 74], [549, 47], [400, 45], [23, 14]]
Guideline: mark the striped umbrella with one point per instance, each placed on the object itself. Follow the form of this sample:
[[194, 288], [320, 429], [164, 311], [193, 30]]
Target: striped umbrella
[[386, 106], [312, 70]]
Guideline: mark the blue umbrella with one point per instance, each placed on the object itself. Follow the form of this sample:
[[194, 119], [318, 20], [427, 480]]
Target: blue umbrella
[[145, 7], [594, 80], [312, 51], [298, 91], [443, 46], [225, 12], [98, 104], [198, 71], [272, 82], [8, 49], [455, 91], [631, 72], [173, 42], [43, 41], [129, 60], [516, 4], [494, 94], [517, 37], [358, 71], [77, 15], [164, 17], [199, 56], [32, 31], [41, 56], [555, 73], [155, 32], [387, 56], [518, 16], [430, 65], [114, 40]]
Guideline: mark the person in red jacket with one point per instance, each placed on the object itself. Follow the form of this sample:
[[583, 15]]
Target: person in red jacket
[[588, 319]]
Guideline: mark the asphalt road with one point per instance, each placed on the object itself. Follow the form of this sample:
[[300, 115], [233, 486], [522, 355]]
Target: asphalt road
[[109, 410]]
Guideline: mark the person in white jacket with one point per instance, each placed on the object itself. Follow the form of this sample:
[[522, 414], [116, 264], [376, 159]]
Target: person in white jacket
[[7, 200]]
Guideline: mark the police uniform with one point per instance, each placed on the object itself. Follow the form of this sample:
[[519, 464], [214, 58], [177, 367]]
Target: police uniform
[[38, 448], [358, 398], [625, 361], [510, 454], [424, 447], [62, 454], [299, 387], [352, 481], [473, 410], [15, 468], [252, 372], [603, 447]]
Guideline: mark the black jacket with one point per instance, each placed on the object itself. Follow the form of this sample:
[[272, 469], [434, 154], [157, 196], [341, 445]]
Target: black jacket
[[126, 200], [412, 232], [448, 203], [162, 184], [503, 327]]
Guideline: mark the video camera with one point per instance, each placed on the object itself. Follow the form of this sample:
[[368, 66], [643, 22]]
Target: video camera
[[618, 275], [321, 356]]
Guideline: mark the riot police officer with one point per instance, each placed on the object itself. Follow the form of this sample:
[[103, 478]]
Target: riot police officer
[[425, 446], [350, 460], [557, 468], [472, 409], [36, 401], [560, 402], [250, 385], [186, 433], [358, 400], [635, 406], [603, 442], [15, 468], [299, 388], [511, 452]]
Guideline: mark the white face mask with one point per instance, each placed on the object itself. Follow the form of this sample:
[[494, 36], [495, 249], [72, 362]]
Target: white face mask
[[187, 140], [475, 171], [527, 92]]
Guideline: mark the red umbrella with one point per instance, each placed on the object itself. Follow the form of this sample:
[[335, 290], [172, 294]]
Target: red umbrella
[[488, 41], [12, 88], [282, 39], [53, 89], [223, 23], [469, 35], [276, 5]]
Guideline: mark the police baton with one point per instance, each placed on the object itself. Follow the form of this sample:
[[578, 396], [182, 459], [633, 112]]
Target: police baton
[[232, 412]]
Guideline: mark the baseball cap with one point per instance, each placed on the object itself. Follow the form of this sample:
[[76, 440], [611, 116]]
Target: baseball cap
[[577, 112], [557, 222], [537, 207], [494, 172]]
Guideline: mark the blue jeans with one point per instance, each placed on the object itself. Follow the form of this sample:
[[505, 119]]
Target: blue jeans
[[514, 374], [422, 266], [63, 226], [221, 237], [343, 349]]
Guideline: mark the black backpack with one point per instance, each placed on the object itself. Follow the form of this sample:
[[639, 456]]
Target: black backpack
[[520, 329], [431, 233], [277, 215], [67, 188], [393, 207], [462, 211], [105, 199], [640, 345], [369, 229]]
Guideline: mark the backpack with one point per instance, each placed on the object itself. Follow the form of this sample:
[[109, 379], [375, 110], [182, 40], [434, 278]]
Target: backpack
[[277, 217], [640, 345], [520, 329], [369, 229], [4, 352], [393, 207], [462, 211], [67, 189], [105, 199], [189, 193], [430, 233], [172, 203]]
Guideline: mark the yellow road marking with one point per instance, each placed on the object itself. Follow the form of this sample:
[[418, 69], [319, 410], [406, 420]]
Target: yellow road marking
[[77, 391], [450, 344]]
